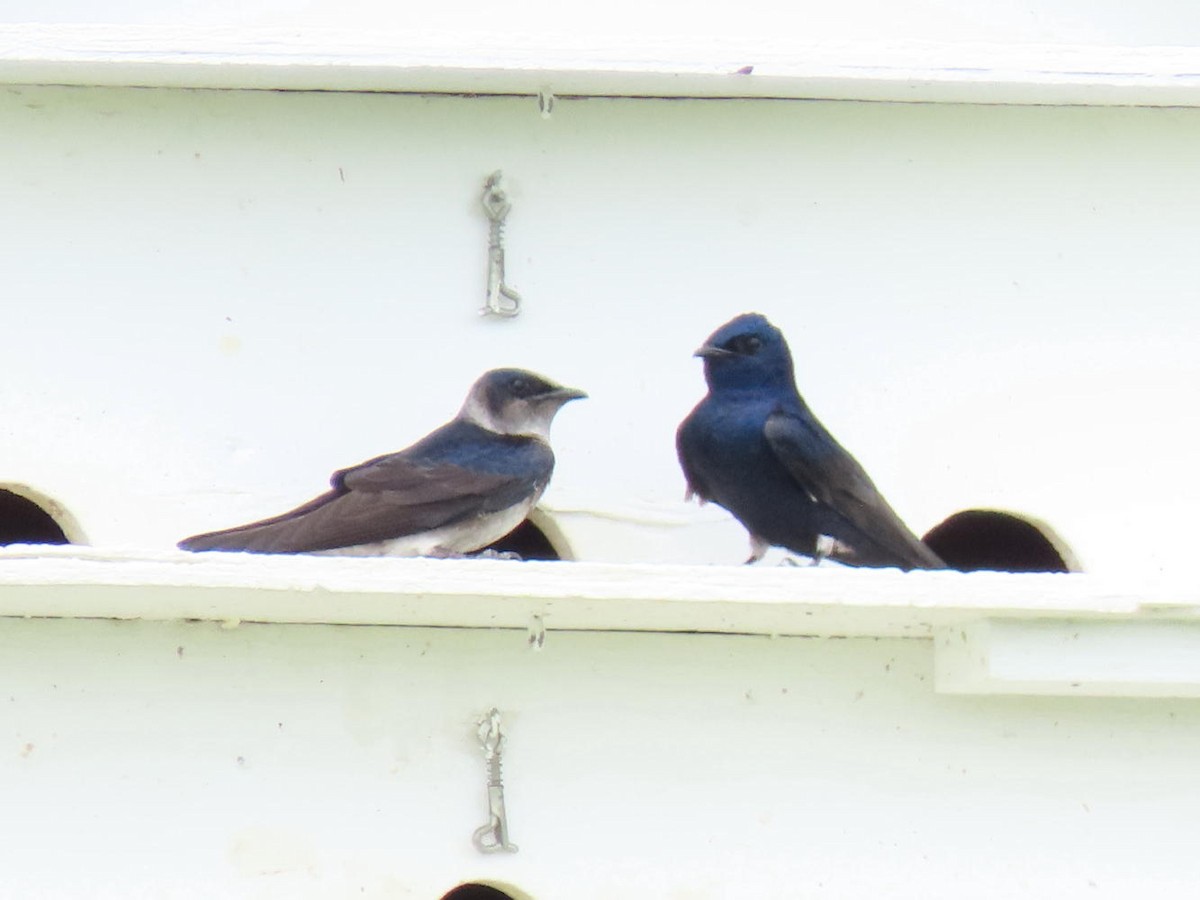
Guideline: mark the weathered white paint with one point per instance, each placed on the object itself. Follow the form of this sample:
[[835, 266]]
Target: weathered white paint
[[219, 297], [1084, 658], [216, 298], [484, 593], [995, 633], [182, 760], [638, 62]]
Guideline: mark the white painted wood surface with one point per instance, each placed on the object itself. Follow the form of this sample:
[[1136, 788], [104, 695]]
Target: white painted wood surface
[[825, 601], [504, 61], [993, 632], [215, 298], [1085, 658], [177, 750], [223, 296], [179, 760]]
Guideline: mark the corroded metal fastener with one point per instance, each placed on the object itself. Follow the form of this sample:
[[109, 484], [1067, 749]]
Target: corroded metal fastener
[[501, 299], [493, 837]]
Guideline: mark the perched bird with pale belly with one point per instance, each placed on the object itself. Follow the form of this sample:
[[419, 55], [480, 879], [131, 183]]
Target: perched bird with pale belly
[[462, 487]]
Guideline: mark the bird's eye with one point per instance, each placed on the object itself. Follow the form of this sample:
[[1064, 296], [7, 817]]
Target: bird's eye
[[519, 386], [746, 344]]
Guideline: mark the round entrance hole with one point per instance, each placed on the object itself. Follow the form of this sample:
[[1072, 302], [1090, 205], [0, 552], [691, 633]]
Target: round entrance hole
[[23, 520], [475, 891], [537, 538], [977, 540]]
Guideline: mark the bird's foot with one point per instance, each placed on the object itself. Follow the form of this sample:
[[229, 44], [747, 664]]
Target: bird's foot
[[758, 549], [807, 562], [443, 553], [489, 553], [825, 545], [486, 553]]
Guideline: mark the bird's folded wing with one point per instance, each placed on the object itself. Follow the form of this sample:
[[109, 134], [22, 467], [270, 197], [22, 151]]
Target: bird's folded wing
[[692, 478], [382, 499], [823, 468]]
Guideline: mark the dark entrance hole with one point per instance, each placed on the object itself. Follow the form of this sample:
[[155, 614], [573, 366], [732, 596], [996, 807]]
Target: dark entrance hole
[[24, 522], [988, 540], [476, 892], [527, 541]]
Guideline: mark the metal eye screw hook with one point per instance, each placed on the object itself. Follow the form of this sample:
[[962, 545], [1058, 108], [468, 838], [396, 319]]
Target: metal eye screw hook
[[501, 299], [493, 837]]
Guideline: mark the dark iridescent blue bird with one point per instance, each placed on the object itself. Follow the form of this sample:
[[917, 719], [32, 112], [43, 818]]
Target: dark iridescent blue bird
[[753, 446], [457, 490]]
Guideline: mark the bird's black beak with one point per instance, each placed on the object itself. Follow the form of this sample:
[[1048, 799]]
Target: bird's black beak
[[564, 395], [711, 351]]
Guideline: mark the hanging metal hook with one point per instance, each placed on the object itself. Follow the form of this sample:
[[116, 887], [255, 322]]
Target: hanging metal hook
[[501, 299], [493, 837]]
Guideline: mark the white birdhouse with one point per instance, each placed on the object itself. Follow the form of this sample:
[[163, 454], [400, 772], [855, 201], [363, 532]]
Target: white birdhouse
[[245, 250]]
